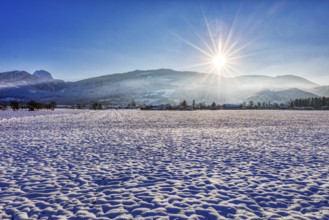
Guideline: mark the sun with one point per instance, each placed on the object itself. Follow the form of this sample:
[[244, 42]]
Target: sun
[[222, 50], [218, 61]]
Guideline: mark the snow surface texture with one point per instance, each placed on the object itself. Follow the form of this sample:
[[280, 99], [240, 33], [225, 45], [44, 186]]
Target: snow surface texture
[[129, 164]]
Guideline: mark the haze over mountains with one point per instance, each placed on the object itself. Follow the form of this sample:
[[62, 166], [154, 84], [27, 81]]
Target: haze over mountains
[[156, 87]]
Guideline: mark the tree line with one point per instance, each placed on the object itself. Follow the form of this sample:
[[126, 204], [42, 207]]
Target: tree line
[[30, 105], [315, 103]]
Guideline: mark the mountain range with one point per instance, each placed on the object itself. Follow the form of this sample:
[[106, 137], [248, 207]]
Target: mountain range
[[156, 87]]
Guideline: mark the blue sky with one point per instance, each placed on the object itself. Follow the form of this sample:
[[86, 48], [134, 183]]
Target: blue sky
[[76, 39]]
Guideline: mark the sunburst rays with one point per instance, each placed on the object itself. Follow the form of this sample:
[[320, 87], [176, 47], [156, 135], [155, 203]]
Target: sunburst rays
[[221, 52], [219, 44]]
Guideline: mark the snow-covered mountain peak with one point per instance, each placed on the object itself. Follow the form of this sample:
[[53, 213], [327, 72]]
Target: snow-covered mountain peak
[[42, 74]]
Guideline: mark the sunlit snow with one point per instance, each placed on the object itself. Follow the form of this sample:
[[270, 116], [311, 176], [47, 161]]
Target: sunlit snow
[[131, 164]]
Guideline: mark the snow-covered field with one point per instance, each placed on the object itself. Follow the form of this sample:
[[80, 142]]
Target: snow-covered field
[[130, 164]]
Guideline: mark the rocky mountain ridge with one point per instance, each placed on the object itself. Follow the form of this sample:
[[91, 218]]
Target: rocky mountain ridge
[[157, 87]]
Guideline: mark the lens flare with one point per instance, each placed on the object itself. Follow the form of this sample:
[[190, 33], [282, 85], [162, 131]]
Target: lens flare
[[218, 61], [222, 48]]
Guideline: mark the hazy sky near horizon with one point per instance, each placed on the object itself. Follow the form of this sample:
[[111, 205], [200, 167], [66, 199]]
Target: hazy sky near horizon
[[76, 39]]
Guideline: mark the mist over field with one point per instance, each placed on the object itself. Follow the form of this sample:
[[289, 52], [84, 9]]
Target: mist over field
[[156, 87]]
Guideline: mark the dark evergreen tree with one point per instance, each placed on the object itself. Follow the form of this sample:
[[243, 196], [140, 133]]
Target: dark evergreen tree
[[184, 103], [94, 105], [213, 105], [14, 105], [33, 105]]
